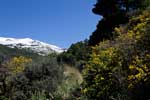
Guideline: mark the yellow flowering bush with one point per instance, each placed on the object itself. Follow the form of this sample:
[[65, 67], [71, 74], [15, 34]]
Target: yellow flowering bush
[[17, 64], [120, 68], [139, 71]]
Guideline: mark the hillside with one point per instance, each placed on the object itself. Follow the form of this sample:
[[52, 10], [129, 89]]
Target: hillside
[[7, 52], [120, 68]]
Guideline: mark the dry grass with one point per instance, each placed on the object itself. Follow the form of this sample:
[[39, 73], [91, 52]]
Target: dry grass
[[73, 72]]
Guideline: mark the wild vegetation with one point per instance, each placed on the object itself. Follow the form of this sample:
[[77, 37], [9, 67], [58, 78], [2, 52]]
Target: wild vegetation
[[119, 68], [114, 64]]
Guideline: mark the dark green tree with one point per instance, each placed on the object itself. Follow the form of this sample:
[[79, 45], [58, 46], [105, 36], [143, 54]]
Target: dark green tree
[[114, 13], [76, 55]]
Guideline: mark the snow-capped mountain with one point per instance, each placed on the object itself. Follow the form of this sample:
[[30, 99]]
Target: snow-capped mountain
[[34, 45]]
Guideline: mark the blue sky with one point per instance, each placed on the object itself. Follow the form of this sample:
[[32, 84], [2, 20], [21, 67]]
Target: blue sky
[[58, 22]]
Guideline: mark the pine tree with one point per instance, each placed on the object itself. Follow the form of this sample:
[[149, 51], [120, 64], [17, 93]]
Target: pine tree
[[114, 13]]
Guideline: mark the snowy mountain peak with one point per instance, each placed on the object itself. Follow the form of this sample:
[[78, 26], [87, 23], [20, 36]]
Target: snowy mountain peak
[[34, 45]]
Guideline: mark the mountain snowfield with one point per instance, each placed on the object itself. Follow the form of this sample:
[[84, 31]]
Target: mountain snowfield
[[34, 45]]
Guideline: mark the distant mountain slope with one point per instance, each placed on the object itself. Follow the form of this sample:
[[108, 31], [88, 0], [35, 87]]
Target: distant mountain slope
[[7, 52], [29, 44]]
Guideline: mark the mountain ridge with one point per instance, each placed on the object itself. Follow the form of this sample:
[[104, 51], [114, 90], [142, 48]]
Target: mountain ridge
[[36, 46]]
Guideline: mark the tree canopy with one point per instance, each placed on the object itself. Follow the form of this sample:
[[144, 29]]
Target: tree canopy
[[114, 13]]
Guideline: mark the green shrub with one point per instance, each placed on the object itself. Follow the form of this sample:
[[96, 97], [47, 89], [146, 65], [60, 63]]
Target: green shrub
[[44, 74], [119, 69], [39, 96]]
